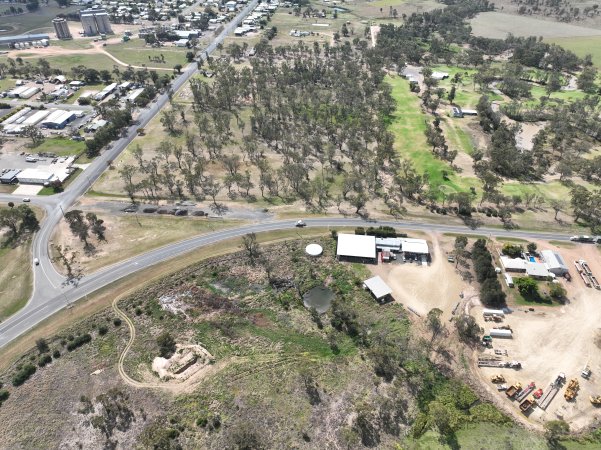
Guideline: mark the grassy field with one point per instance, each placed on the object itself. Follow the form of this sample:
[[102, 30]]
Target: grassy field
[[67, 62], [466, 95], [130, 235], [36, 22], [582, 46], [136, 53], [16, 278], [60, 147], [499, 25], [88, 87], [408, 125], [6, 84]]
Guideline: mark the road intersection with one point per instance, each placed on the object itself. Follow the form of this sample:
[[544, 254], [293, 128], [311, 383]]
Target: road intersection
[[51, 293]]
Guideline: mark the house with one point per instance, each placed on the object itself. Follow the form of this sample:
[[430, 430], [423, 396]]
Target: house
[[356, 248], [513, 264], [554, 262], [378, 288], [537, 270]]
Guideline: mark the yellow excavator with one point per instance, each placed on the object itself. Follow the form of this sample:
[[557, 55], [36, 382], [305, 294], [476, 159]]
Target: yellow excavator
[[496, 379], [572, 389]]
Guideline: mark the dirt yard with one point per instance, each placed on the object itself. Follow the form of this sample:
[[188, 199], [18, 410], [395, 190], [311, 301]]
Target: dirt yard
[[422, 288], [553, 339]]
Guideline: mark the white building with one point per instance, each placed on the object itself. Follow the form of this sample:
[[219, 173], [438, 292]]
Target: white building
[[35, 176], [554, 262], [378, 288], [356, 247]]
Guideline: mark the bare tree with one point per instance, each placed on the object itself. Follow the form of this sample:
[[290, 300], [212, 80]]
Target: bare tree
[[251, 246]]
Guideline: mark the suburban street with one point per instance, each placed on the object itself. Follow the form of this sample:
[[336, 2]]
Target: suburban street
[[51, 293]]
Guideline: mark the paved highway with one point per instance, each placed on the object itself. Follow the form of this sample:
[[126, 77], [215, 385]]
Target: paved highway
[[51, 293], [58, 298]]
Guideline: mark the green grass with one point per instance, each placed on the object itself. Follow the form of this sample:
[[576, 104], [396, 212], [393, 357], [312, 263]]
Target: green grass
[[408, 126], [6, 84], [38, 21], [88, 87], [60, 146], [136, 53], [582, 46], [458, 138], [74, 44], [466, 95], [67, 62], [512, 239]]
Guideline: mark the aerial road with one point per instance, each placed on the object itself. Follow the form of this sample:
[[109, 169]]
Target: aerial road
[[52, 292], [53, 300]]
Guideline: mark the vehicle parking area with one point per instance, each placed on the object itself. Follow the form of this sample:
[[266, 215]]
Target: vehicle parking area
[[547, 341]]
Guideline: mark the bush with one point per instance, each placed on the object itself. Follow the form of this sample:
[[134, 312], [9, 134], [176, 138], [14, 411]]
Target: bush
[[166, 344], [79, 341], [44, 360], [42, 345], [3, 395], [56, 354], [24, 374], [102, 330], [527, 287], [117, 322], [513, 251], [557, 291]]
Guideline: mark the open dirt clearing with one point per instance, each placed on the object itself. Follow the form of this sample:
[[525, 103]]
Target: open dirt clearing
[[556, 339], [499, 25], [422, 288]]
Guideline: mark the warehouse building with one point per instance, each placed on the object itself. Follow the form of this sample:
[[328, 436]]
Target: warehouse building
[[105, 92], [356, 248], [35, 176], [29, 92], [554, 262], [10, 176], [59, 119], [415, 248], [10, 41], [36, 117]]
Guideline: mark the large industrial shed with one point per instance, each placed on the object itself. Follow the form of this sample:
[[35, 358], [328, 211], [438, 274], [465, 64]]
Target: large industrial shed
[[59, 119], [356, 248], [35, 176], [554, 262]]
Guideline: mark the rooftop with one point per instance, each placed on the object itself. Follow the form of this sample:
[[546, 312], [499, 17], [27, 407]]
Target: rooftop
[[377, 287], [356, 245]]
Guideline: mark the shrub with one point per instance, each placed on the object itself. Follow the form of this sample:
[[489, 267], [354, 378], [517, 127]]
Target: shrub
[[117, 322], [79, 341], [24, 374], [513, 251], [102, 330], [56, 354], [42, 345], [44, 360], [166, 344]]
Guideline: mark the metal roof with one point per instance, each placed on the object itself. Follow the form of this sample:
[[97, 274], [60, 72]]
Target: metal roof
[[513, 263], [23, 38], [419, 246], [553, 260], [535, 269], [377, 287], [356, 245]]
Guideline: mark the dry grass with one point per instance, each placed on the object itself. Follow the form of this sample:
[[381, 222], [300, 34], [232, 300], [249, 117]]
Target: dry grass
[[132, 235], [104, 297]]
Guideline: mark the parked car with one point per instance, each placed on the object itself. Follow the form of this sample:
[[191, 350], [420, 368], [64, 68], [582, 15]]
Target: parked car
[[26, 200], [300, 224]]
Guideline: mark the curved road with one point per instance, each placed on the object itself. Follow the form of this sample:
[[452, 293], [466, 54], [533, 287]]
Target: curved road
[[51, 293], [57, 298]]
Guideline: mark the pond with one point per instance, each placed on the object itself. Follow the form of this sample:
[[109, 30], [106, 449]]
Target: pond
[[320, 298]]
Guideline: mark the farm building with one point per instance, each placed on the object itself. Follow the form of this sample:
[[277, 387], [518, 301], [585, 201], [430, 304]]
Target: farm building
[[105, 92], [77, 83], [36, 117], [388, 244], [134, 95], [414, 247], [96, 125], [356, 248], [59, 119], [554, 262], [29, 92], [378, 288], [16, 92], [10, 41], [513, 264], [9, 177], [35, 176]]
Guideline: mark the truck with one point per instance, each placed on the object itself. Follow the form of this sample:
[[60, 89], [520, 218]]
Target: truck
[[526, 405], [526, 392], [554, 387], [513, 390]]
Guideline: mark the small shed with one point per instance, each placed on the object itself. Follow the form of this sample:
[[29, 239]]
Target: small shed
[[378, 288]]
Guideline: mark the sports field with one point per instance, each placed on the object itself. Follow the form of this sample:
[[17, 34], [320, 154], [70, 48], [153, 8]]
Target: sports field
[[499, 25]]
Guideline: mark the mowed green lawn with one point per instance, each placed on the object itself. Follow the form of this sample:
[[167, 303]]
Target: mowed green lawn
[[136, 53], [408, 125], [67, 62], [582, 46]]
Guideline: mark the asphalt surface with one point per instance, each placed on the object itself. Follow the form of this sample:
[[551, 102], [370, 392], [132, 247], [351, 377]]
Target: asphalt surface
[[51, 293]]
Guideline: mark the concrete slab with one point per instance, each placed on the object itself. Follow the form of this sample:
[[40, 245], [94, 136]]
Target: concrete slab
[[28, 189]]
